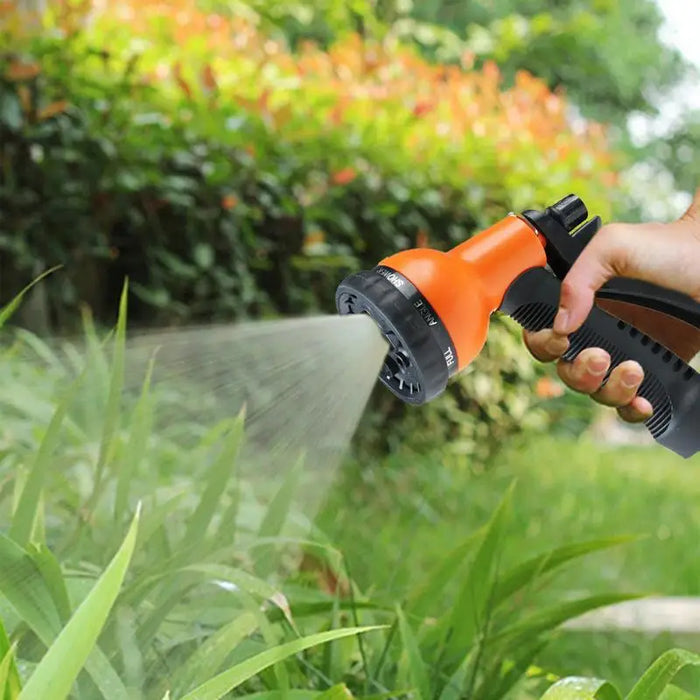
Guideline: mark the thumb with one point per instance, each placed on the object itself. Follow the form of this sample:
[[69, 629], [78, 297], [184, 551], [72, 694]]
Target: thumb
[[600, 261]]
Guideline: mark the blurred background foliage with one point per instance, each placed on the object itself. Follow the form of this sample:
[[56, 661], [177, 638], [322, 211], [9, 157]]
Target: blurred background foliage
[[237, 159]]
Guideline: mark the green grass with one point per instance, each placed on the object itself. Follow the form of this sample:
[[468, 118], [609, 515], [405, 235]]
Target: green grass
[[443, 555], [406, 510]]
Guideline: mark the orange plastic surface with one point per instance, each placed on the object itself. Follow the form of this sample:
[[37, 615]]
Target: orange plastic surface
[[467, 284]]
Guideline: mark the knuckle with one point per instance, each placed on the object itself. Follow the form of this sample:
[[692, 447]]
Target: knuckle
[[569, 288]]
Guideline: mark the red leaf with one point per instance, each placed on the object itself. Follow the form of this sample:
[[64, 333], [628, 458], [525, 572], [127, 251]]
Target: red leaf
[[52, 110], [180, 80], [18, 71], [422, 108], [208, 78], [344, 176], [229, 201]]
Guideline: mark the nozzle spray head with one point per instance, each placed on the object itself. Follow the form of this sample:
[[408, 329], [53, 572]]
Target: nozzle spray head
[[420, 355]]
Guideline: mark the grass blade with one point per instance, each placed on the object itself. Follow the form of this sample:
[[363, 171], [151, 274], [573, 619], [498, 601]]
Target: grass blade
[[211, 655], [276, 516], [417, 670], [582, 689], [470, 611], [522, 574], [23, 586], [9, 676], [234, 676], [50, 571], [141, 423], [279, 695], [673, 692], [25, 514], [551, 617], [501, 678], [420, 599], [453, 688], [217, 479], [336, 692], [9, 309], [9, 679], [660, 674], [56, 672], [112, 409]]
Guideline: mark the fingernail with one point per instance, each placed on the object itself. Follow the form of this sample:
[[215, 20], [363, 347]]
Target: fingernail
[[598, 365], [631, 379], [561, 322]]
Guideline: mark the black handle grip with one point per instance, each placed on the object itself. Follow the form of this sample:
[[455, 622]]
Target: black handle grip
[[670, 384], [651, 296]]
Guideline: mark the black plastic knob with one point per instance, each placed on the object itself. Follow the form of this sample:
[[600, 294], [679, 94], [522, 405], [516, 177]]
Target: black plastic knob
[[570, 212]]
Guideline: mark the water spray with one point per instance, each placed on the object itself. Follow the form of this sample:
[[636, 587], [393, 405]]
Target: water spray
[[434, 308]]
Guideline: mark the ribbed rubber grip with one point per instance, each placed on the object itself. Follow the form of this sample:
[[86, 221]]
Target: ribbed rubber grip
[[670, 384]]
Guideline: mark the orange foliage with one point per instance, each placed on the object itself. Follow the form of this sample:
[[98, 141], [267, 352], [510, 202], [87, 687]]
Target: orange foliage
[[388, 92]]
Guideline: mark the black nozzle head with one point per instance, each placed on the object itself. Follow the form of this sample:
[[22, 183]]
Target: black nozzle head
[[421, 356]]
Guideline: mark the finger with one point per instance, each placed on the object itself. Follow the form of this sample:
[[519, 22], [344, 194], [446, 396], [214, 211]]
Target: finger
[[622, 385], [587, 372], [592, 269], [636, 412], [545, 345]]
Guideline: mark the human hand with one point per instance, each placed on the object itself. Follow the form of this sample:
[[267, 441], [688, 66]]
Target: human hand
[[664, 254]]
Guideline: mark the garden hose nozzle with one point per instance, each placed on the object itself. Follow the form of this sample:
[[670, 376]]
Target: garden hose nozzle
[[434, 309]]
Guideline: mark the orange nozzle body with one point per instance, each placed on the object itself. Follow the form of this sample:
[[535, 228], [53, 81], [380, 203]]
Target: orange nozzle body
[[467, 284]]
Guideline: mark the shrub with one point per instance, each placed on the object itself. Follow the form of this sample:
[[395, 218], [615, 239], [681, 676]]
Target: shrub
[[229, 177]]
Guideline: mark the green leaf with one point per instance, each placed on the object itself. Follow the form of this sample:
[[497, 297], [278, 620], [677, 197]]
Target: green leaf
[[11, 112], [336, 692], [28, 505], [141, 422], [660, 674], [210, 656], [508, 670], [9, 676], [112, 409], [9, 679], [470, 612], [526, 572], [10, 308], [276, 516], [234, 676], [23, 586], [582, 689], [551, 617], [411, 657], [283, 695], [453, 688], [217, 478], [423, 598], [50, 571], [57, 671], [672, 692]]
